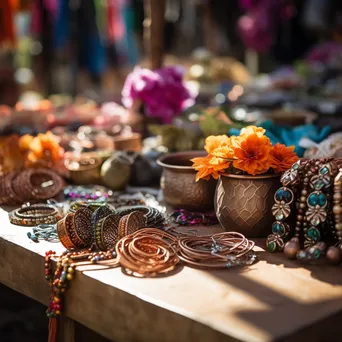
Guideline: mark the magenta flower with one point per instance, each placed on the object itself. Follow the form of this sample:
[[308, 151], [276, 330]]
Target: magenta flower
[[162, 91]]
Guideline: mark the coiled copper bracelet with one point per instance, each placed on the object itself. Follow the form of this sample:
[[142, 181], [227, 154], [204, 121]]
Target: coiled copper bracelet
[[147, 253], [216, 251]]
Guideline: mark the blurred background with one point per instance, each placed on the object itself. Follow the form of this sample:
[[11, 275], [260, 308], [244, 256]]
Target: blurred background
[[214, 66]]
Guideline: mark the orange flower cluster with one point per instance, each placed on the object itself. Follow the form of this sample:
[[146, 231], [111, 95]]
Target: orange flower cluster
[[250, 152], [28, 151]]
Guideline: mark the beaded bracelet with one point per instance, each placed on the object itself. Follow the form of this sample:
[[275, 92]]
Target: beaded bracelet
[[34, 215], [74, 230]]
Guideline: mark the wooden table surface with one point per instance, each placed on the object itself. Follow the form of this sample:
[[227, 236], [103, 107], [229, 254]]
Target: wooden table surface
[[272, 300]]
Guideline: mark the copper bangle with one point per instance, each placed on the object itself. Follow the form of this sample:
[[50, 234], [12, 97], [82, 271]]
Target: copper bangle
[[146, 253], [216, 251], [63, 233]]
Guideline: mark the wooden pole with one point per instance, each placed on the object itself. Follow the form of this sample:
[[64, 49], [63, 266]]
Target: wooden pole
[[154, 32]]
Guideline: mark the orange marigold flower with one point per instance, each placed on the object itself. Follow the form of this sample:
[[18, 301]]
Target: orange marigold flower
[[252, 154], [25, 141], [209, 166], [49, 143], [225, 152], [282, 157], [215, 141], [252, 130]]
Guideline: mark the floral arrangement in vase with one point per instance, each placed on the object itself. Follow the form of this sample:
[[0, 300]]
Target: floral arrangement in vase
[[248, 169], [250, 153]]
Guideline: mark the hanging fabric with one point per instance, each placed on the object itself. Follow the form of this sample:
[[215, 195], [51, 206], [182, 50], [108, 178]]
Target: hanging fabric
[[77, 26]]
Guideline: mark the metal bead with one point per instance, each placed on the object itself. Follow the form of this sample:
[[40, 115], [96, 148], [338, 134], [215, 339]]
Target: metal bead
[[334, 255], [338, 226], [291, 248], [337, 209]]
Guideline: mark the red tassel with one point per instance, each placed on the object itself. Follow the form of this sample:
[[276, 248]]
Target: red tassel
[[53, 328]]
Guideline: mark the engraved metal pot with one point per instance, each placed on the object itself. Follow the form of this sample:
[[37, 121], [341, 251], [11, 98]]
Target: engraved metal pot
[[179, 185], [243, 203]]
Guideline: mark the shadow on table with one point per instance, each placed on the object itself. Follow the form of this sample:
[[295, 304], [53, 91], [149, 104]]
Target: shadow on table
[[320, 270], [284, 314]]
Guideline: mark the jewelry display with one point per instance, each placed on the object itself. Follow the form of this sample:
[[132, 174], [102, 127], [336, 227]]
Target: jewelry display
[[310, 197], [33, 215]]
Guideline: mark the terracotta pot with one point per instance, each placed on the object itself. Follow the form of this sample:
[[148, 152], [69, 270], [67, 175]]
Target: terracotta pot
[[243, 203], [179, 185]]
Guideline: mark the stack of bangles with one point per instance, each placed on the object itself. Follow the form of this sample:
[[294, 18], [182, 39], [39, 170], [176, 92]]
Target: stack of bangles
[[216, 251], [36, 214], [29, 185]]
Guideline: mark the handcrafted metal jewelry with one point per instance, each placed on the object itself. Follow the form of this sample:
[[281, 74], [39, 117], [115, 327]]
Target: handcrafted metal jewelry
[[284, 199], [312, 185], [148, 252], [154, 218], [223, 250], [33, 215]]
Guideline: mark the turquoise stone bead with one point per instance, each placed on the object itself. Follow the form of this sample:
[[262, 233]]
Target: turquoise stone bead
[[324, 170], [283, 195], [295, 166], [280, 216], [314, 234], [315, 221], [64, 276], [312, 200], [321, 200], [271, 246], [278, 228], [319, 184], [317, 199]]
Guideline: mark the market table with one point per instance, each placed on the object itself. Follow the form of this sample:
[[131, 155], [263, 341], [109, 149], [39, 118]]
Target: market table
[[272, 300]]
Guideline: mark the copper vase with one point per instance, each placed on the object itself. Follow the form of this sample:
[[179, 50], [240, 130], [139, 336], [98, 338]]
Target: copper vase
[[243, 203], [179, 186]]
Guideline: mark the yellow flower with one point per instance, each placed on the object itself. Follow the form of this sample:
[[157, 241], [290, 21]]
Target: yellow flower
[[259, 131], [215, 141]]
